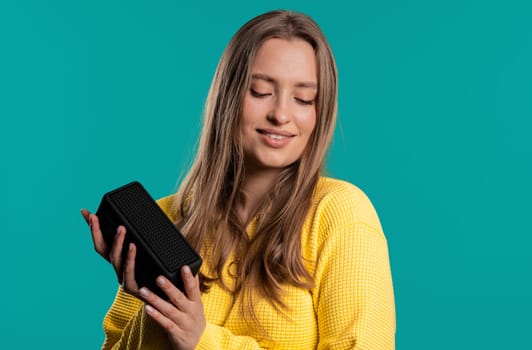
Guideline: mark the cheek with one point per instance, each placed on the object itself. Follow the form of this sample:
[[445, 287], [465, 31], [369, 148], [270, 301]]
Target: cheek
[[250, 110], [245, 117], [307, 122]]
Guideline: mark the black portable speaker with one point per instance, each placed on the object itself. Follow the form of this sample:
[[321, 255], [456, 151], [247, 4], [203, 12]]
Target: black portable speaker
[[161, 248]]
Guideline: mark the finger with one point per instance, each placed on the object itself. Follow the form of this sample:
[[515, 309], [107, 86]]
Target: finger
[[191, 284], [86, 214], [128, 280], [97, 237], [115, 257], [167, 308], [175, 296], [167, 324], [163, 307]]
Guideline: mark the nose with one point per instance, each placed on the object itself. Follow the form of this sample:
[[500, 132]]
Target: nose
[[280, 111]]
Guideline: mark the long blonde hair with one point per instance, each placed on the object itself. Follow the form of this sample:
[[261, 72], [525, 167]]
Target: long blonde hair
[[208, 195]]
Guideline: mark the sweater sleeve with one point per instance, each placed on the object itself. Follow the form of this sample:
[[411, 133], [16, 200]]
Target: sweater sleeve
[[353, 294], [141, 332], [217, 337], [124, 308]]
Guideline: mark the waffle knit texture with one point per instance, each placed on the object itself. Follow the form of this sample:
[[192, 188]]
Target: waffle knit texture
[[351, 305]]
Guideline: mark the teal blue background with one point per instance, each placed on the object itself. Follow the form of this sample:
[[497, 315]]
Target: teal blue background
[[434, 125]]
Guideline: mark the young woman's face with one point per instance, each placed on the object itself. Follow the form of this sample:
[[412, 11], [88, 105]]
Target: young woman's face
[[279, 112]]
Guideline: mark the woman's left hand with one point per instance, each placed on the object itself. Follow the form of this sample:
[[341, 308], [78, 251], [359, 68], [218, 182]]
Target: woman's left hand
[[182, 316]]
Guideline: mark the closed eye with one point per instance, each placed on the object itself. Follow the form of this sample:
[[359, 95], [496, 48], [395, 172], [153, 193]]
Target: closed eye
[[305, 102], [259, 94]]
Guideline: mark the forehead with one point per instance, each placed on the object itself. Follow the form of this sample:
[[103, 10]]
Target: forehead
[[291, 60]]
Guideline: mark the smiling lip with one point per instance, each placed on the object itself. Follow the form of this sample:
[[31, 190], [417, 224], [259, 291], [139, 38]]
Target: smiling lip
[[275, 138]]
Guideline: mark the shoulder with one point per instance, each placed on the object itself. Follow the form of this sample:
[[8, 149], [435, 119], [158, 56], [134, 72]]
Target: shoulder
[[340, 190], [341, 216], [340, 208], [340, 200]]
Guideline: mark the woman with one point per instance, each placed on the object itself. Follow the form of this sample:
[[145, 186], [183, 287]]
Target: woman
[[292, 260]]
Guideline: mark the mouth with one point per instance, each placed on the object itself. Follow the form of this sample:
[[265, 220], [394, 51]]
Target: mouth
[[274, 134]]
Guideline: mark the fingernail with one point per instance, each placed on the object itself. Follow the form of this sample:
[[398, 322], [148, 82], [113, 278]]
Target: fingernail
[[160, 281], [186, 270], [130, 246], [144, 292], [148, 309], [118, 230]]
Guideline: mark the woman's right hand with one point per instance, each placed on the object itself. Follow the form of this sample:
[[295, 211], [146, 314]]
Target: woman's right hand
[[113, 254]]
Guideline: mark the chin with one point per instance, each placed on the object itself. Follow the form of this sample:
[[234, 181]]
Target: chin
[[270, 162], [276, 164]]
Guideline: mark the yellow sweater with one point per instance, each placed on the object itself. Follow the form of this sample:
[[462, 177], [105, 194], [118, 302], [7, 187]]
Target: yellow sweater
[[351, 305]]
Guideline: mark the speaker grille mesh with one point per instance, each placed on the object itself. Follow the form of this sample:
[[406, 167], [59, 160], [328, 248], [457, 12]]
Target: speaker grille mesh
[[152, 225]]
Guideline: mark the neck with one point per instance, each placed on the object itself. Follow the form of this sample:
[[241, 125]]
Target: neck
[[256, 184]]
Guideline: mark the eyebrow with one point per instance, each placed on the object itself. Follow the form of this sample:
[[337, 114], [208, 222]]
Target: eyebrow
[[267, 78]]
